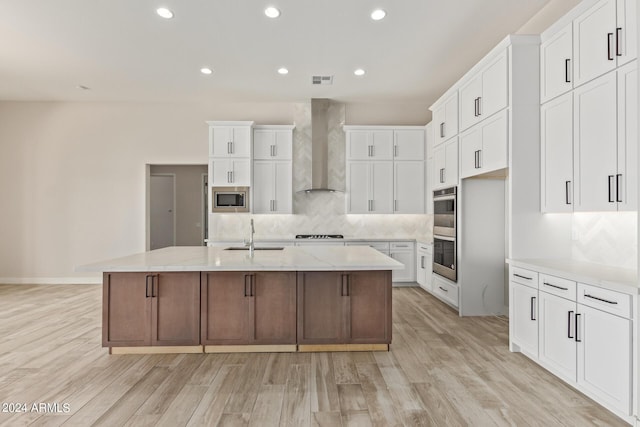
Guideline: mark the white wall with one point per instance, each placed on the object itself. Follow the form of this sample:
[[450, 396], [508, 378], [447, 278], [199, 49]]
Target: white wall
[[72, 176]]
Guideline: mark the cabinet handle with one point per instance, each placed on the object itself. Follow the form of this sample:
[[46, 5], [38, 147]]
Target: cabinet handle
[[229, 147], [395, 150], [618, 189], [609, 40], [600, 299], [422, 257], [443, 289], [344, 286], [569, 325], [567, 189], [618, 32], [555, 286], [475, 107], [577, 339], [479, 106], [153, 285], [444, 175], [247, 276], [441, 179], [146, 286], [522, 277], [442, 130], [252, 285], [229, 177], [566, 70], [533, 300], [610, 184]]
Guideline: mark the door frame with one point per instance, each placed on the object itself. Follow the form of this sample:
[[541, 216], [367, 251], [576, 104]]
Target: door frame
[[204, 207], [148, 175]]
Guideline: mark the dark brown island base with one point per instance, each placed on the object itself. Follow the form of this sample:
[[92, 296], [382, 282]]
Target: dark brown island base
[[156, 303]]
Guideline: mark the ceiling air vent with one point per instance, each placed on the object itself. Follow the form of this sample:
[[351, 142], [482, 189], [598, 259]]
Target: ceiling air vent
[[322, 80]]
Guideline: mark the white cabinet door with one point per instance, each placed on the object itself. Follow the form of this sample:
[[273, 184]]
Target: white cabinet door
[[263, 143], [524, 318], [557, 346], [604, 357], [555, 64], [626, 31], [283, 144], [358, 197], [423, 269], [263, 187], [594, 44], [493, 155], [409, 144], [358, 145], [595, 156], [469, 94], [451, 163], [370, 145], [470, 146], [231, 141], [627, 177], [409, 181], [408, 259], [556, 134], [381, 187], [494, 87], [445, 119], [439, 163], [283, 195], [382, 145], [231, 172]]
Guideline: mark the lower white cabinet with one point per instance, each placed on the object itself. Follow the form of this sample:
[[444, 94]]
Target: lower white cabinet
[[580, 332], [424, 260], [403, 252], [445, 290]]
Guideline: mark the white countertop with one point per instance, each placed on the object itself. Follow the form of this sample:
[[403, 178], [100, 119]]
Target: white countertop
[[258, 240], [617, 279], [291, 258]]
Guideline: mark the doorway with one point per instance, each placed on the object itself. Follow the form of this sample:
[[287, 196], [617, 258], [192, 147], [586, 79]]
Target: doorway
[[162, 213]]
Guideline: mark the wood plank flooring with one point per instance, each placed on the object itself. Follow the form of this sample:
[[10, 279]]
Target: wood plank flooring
[[442, 370]]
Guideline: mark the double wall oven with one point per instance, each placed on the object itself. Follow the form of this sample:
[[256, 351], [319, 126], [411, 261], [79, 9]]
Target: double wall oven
[[444, 233]]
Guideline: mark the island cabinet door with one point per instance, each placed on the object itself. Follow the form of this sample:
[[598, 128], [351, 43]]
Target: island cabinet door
[[369, 307], [226, 315], [175, 309], [322, 304], [126, 309], [273, 297]]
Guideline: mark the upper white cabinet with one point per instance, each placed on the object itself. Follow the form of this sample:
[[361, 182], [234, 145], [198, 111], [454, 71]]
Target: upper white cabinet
[[230, 139], [445, 117], [370, 145], [272, 142], [445, 164], [556, 138], [483, 148], [230, 172], [627, 177], [556, 62], [485, 92], [385, 169], [604, 37]]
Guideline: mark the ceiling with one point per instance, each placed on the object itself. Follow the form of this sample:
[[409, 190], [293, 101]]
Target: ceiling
[[123, 51]]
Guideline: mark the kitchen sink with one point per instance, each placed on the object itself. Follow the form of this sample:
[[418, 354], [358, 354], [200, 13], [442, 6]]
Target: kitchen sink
[[246, 248]]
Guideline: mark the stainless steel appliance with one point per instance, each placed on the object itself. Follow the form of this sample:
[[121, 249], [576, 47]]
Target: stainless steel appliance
[[229, 199], [444, 233]]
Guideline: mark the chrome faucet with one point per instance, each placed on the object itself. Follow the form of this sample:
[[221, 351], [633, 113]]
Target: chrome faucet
[[251, 243]]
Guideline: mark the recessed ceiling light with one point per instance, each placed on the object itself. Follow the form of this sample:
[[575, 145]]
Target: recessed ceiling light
[[206, 70], [272, 12], [378, 14], [359, 72], [283, 71], [164, 12]]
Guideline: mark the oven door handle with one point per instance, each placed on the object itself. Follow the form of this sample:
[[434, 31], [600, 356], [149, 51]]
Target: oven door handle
[[447, 238]]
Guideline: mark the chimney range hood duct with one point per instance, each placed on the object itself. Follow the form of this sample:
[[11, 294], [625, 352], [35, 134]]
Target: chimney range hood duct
[[319, 147]]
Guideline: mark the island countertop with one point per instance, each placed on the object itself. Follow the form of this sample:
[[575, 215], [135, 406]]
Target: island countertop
[[290, 258]]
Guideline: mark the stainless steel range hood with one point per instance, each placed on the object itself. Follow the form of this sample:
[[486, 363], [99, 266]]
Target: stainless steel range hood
[[319, 147]]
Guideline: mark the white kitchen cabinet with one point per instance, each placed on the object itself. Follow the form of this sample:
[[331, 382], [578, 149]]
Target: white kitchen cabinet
[[485, 93], [363, 144], [445, 118], [445, 290], [403, 252], [524, 317], [604, 37], [230, 139], [272, 187], [557, 351], [483, 148], [627, 176], [409, 144], [272, 142], [595, 152], [556, 62], [409, 182], [429, 139], [445, 164], [424, 260], [230, 172], [556, 137], [370, 187]]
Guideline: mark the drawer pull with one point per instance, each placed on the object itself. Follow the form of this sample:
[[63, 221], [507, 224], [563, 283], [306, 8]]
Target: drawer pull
[[443, 289], [555, 286], [600, 299], [522, 277]]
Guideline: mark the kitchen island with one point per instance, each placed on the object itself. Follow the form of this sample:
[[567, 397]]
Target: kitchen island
[[195, 299]]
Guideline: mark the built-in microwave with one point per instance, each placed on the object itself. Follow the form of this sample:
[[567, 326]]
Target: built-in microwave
[[229, 199]]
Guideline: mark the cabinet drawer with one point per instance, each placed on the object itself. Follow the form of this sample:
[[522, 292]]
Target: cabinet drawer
[[523, 276], [379, 246], [424, 247], [604, 299], [446, 291], [557, 286], [401, 245]]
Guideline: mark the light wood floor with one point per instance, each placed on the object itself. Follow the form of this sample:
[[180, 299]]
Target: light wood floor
[[442, 370]]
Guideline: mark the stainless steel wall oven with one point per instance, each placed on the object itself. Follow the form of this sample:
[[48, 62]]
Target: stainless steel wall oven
[[444, 233]]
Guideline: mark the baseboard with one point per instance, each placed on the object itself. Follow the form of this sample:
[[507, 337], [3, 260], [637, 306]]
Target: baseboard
[[94, 280]]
